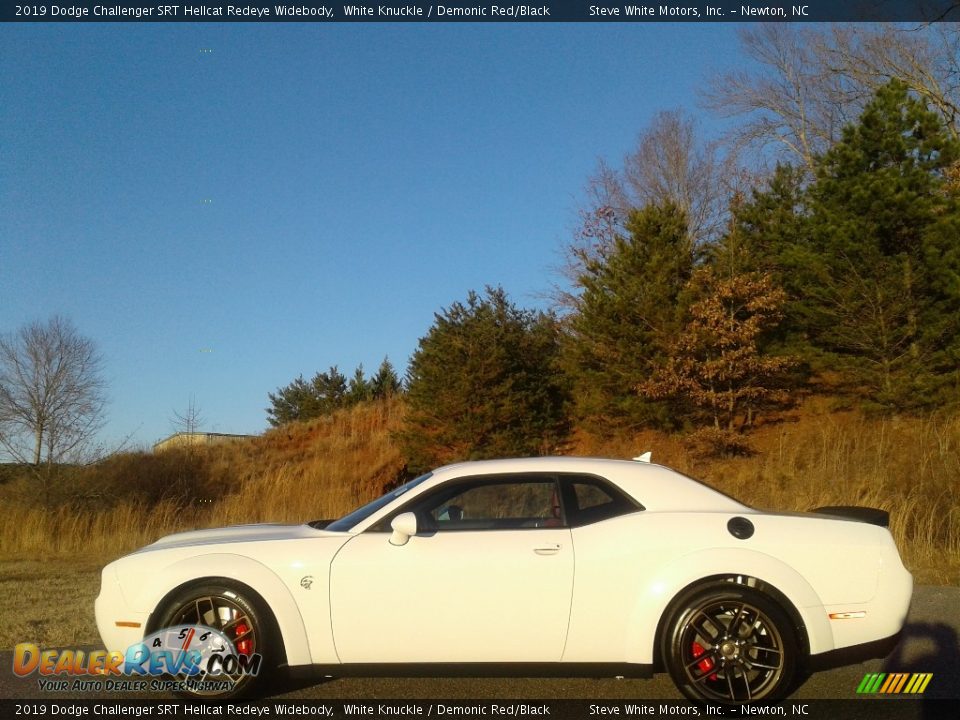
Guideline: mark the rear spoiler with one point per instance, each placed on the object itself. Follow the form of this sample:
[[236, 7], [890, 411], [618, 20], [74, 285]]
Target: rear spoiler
[[874, 516]]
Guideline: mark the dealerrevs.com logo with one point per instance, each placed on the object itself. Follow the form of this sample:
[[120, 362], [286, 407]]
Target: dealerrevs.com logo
[[190, 658]]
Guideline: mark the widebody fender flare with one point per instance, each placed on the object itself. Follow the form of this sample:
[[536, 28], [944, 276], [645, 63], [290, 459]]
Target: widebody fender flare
[[245, 571], [673, 578]]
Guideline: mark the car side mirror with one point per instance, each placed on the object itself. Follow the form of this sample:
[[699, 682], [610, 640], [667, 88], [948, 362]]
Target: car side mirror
[[404, 527]]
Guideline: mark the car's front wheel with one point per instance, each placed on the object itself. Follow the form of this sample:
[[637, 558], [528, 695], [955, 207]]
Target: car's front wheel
[[235, 614], [729, 643]]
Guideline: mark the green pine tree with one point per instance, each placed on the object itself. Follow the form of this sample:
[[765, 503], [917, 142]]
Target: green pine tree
[[296, 401], [629, 305], [359, 389], [385, 383], [330, 388], [483, 382], [880, 296], [765, 229], [302, 400]]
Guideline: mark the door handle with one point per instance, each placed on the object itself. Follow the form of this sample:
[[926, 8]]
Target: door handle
[[548, 550]]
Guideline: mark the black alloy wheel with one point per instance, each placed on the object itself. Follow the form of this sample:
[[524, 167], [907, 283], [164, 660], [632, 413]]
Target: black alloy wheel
[[730, 644], [241, 617]]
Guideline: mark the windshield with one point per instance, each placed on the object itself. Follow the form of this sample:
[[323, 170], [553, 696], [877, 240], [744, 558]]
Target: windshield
[[362, 513]]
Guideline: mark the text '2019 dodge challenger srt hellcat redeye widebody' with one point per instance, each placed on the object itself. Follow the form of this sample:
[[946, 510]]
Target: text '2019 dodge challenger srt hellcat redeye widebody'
[[562, 566]]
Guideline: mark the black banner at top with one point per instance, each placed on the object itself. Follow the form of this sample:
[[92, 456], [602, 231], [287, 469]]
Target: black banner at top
[[318, 11]]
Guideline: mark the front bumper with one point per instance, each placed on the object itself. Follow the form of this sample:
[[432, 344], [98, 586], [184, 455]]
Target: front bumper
[[119, 625]]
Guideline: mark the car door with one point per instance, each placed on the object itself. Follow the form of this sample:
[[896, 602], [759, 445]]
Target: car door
[[487, 578]]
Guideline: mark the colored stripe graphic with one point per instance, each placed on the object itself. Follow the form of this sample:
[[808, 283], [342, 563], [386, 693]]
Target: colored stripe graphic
[[870, 683], [894, 683], [901, 680], [922, 680]]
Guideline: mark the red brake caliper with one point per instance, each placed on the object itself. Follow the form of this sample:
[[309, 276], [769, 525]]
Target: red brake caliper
[[705, 665], [245, 646]]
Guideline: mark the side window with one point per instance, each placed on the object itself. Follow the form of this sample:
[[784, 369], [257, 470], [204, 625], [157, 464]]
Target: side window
[[591, 500], [498, 505], [590, 496], [487, 503]]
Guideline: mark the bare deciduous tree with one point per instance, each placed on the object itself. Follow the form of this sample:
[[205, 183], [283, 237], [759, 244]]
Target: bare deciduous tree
[[670, 164], [926, 60], [786, 101], [190, 420], [810, 82], [52, 394]]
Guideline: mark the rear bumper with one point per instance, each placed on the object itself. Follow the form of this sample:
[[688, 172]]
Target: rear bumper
[[854, 654], [871, 629]]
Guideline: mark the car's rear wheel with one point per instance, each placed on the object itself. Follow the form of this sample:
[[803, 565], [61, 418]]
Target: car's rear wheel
[[730, 644], [238, 615]]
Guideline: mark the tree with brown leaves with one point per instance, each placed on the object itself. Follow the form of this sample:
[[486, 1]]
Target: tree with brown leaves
[[716, 363]]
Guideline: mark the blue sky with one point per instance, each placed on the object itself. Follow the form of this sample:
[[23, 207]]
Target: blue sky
[[294, 196]]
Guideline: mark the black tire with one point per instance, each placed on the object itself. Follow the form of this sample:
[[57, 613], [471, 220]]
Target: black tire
[[238, 613], [728, 643]]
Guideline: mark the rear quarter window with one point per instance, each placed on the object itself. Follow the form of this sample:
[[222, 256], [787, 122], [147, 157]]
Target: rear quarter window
[[590, 500]]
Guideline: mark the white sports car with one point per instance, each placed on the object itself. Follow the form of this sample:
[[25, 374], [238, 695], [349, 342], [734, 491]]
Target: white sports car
[[562, 566]]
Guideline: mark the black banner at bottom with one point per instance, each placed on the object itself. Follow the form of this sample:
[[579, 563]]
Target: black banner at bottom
[[867, 708]]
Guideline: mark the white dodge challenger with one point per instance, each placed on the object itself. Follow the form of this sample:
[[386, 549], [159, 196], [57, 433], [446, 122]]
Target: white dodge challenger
[[561, 566]]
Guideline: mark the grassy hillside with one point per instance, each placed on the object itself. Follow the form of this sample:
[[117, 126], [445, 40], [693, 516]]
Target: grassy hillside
[[297, 473], [322, 469]]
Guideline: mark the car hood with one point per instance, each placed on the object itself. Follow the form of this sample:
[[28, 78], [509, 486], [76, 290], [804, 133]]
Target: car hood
[[239, 534]]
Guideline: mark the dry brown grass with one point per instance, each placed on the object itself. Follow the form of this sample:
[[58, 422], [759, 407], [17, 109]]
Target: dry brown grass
[[321, 469], [49, 603], [910, 467], [38, 532]]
